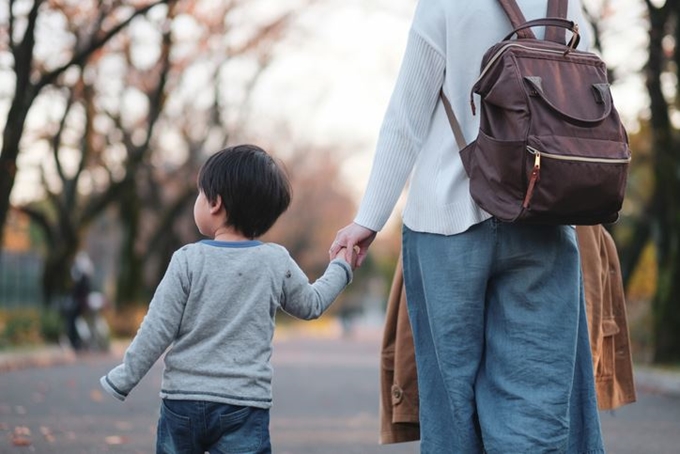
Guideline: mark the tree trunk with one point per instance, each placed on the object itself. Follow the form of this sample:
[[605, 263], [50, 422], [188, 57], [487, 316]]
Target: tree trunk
[[666, 204], [25, 92], [130, 277]]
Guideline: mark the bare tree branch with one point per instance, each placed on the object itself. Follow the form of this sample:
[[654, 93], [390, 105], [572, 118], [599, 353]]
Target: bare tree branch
[[96, 43], [270, 31]]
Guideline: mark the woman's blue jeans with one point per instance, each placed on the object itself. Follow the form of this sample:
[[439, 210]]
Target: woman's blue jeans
[[502, 349], [196, 427]]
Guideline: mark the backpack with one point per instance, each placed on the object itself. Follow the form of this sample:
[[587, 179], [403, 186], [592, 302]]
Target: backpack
[[551, 148]]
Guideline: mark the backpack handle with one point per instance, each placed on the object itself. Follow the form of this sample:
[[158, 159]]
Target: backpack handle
[[602, 96], [550, 22]]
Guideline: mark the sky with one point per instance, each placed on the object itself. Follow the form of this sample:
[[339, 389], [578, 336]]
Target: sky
[[333, 78]]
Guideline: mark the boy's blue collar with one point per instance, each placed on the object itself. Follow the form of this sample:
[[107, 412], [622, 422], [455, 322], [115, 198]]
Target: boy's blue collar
[[232, 244]]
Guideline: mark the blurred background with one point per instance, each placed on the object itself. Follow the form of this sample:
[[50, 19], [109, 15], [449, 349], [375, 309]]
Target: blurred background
[[109, 107]]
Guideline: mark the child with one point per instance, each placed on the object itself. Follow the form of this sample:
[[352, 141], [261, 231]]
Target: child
[[215, 309]]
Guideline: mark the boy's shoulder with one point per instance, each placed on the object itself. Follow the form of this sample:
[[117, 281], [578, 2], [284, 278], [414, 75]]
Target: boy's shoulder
[[276, 250], [276, 255], [254, 246], [187, 249], [207, 255]]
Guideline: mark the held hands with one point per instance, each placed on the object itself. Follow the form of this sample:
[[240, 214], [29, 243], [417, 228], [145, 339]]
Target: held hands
[[348, 255], [350, 237]]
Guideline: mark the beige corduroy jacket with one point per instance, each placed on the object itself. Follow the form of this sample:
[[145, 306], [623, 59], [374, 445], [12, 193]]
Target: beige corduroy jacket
[[607, 323]]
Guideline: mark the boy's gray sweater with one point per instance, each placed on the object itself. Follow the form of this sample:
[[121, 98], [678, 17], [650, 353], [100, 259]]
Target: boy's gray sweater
[[215, 309]]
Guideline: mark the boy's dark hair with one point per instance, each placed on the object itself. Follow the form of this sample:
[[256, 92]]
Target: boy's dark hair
[[254, 189]]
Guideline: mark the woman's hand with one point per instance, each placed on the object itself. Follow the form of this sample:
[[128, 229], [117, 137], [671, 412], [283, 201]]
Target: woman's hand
[[350, 236], [348, 255]]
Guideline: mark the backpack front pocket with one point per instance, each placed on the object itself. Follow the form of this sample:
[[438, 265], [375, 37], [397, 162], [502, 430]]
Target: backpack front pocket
[[577, 178]]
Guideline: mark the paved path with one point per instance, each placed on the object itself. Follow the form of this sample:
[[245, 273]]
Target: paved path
[[326, 402]]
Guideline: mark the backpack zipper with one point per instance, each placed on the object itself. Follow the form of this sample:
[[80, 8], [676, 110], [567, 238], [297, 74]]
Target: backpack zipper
[[535, 176], [536, 171], [536, 152]]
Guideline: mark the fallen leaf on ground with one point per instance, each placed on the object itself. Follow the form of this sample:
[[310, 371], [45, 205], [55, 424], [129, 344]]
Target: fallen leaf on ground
[[96, 395], [115, 440], [47, 433], [21, 441], [22, 430]]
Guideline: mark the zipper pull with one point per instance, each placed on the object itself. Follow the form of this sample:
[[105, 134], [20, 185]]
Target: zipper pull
[[537, 162], [533, 179]]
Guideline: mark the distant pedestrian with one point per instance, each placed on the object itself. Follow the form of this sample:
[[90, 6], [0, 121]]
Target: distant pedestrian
[[215, 310], [82, 272]]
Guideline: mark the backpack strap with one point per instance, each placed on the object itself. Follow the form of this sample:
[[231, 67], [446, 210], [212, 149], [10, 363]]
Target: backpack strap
[[556, 8], [453, 121], [516, 18]]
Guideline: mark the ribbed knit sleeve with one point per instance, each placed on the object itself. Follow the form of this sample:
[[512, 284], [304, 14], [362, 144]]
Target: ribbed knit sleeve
[[403, 131]]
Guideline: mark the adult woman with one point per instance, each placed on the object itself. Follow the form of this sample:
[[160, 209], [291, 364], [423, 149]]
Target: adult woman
[[497, 309]]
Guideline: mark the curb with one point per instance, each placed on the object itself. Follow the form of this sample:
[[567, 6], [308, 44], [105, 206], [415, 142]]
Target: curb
[[44, 356], [657, 380]]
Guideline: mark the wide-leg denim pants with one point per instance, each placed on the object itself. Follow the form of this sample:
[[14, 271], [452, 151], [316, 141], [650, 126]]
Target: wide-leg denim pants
[[501, 339]]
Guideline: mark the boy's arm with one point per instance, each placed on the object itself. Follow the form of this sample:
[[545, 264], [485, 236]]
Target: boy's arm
[[158, 330], [308, 301]]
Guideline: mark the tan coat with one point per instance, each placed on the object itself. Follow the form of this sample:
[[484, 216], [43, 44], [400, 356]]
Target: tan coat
[[608, 328], [607, 320]]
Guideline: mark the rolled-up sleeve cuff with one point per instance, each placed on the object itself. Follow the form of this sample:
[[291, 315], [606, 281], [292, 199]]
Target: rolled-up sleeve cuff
[[111, 389], [345, 266]]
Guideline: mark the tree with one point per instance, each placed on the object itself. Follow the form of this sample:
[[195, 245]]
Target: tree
[[111, 114], [79, 152], [664, 57], [652, 204], [33, 75]]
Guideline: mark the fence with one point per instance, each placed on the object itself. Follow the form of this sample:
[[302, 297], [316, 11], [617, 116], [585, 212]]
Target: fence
[[20, 279]]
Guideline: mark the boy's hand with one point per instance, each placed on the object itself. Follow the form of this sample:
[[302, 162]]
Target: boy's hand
[[348, 255], [351, 236]]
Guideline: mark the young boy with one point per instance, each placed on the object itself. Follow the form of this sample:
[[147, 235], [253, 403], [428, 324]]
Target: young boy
[[215, 309]]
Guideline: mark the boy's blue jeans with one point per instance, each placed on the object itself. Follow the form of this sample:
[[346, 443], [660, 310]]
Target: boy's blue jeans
[[502, 349], [196, 427]]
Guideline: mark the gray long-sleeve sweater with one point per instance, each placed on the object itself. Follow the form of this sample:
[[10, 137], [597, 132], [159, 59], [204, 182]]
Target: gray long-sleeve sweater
[[215, 309]]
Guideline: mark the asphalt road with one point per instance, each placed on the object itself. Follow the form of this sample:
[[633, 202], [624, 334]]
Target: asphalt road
[[325, 402]]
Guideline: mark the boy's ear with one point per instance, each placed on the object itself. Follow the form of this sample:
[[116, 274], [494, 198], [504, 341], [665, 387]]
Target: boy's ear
[[217, 206]]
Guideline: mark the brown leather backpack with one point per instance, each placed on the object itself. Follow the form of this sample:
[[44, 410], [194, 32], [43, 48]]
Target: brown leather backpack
[[551, 148]]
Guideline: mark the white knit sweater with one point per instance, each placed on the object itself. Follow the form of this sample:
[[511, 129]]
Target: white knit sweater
[[445, 47]]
